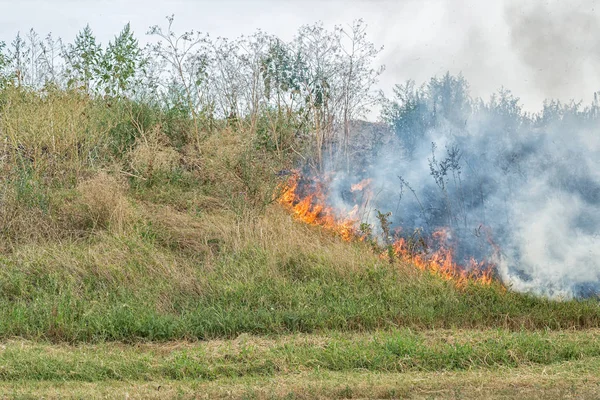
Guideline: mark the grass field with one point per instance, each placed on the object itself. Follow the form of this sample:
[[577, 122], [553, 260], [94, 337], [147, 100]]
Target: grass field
[[136, 267], [383, 364]]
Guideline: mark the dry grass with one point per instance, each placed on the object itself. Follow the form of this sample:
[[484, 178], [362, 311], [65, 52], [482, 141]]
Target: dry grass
[[275, 232], [25, 214], [118, 261], [33, 213], [103, 204], [18, 225], [527, 384], [235, 171], [50, 140], [153, 153], [55, 132]]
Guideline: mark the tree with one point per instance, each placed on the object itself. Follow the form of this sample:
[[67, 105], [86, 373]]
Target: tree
[[19, 59], [121, 61], [4, 62], [414, 111], [504, 112], [408, 114], [283, 73], [319, 49], [252, 53], [278, 72], [186, 55], [358, 77], [449, 98], [225, 78], [33, 77], [50, 51], [83, 60]]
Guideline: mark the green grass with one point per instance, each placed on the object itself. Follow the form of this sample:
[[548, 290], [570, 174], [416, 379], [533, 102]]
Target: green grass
[[141, 298], [449, 362], [398, 351]]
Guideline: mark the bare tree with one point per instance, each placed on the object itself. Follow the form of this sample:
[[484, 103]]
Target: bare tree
[[49, 59], [186, 55], [19, 59], [319, 48], [358, 77]]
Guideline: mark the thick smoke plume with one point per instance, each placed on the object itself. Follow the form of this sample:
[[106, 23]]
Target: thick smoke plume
[[518, 190], [559, 42]]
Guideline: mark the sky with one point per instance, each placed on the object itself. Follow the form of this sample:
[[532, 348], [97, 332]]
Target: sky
[[538, 49]]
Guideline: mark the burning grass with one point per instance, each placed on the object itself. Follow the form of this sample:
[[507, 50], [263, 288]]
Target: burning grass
[[224, 276], [311, 207], [306, 198]]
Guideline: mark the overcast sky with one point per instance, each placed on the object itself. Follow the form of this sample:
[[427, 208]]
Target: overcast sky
[[539, 50]]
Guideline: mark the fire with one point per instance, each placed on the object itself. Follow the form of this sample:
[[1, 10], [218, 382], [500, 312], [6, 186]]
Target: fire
[[360, 186], [311, 208], [441, 262]]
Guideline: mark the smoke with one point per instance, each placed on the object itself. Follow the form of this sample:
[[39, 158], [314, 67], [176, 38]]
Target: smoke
[[558, 41], [518, 190], [542, 48]]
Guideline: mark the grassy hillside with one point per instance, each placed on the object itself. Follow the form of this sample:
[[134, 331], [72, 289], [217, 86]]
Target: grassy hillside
[[119, 234]]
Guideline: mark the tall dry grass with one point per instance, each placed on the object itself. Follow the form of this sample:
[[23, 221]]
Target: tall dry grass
[[53, 132], [153, 154], [103, 204], [205, 204]]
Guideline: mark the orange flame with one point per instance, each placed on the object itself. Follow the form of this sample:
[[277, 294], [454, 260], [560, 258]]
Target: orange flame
[[360, 185], [312, 210], [441, 262]]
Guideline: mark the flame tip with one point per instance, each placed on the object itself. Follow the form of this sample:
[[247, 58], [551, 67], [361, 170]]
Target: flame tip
[[312, 209]]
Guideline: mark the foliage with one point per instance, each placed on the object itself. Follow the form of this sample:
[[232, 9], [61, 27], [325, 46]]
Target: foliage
[[121, 63], [414, 111], [83, 59], [317, 83], [4, 62]]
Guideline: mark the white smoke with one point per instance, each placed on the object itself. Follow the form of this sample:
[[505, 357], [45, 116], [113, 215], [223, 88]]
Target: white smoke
[[532, 181]]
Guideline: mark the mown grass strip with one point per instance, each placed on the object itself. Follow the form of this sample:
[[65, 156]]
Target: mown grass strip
[[571, 379], [399, 351]]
